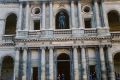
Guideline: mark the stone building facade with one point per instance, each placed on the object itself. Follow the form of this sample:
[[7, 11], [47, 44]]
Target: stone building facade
[[52, 39]]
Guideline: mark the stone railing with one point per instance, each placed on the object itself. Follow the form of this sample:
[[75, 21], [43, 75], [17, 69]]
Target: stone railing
[[8, 38], [34, 34], [115, 34], [63, 33], [90, 32]]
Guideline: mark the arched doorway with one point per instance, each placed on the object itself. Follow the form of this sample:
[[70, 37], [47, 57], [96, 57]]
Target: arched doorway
[[10, 27], [114, 20], [117, 65], [62, 20], [7, 70], [63, 66]]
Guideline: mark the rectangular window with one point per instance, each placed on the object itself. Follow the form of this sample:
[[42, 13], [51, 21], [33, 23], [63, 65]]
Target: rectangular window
[[35, 73], [36, 24], [88, 23]]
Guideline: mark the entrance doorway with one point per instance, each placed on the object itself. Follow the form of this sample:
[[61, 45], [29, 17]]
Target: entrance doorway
[[117, 66], [63, 67]]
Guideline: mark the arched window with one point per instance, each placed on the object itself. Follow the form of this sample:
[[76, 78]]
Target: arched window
[[114, 20], [7, 69], [10, 27], [62, 20]]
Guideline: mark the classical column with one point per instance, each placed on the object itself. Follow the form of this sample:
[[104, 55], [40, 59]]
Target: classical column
[[76, 69], [39, 64], [103, 67], [43, 16], [16, 65], [83, 56], [43, 63], [27, 16], [80, 16], [97, 14], [111, 65], [2, 29], [51, 64], [24, 63], [28, 64], [51, 16], [19, 23], [72, 14]]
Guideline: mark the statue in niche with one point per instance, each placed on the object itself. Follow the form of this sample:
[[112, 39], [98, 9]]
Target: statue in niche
[[61, 20]]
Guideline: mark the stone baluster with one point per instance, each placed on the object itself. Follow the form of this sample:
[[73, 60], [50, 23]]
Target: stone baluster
[[111, 65], [51, 63], [84, 70], [80, 16], [27, 16], [76, 69], [102, 60], [72, 14], [25, 50], [16, 65], [43, 16], [43, 63]]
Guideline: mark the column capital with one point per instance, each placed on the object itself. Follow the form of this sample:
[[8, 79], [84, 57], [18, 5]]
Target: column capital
[[50, 47], [101, 46], [17, 48], [83, 46], [109, 46], [42, 47], [74, 46]]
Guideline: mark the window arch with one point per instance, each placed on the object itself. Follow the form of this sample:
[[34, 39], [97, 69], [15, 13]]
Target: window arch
[[62, 20], [114, 20], [10, 27], [7, 69]]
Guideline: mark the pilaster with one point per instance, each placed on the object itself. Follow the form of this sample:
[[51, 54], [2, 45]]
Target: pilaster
[[84, 70], [75, 57], [51, 63], [103, 67], [72, 14], [43, 76], [16, 65], [43, 16], [27, 16], [111, 65], [25, 51], [51, 15]]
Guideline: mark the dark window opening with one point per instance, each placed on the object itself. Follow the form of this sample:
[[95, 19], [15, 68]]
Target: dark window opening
[[36, 24], [88, 23], [114, 21], [37, 10], [62, 20], [92, 73], [35, 73], [10, 27]]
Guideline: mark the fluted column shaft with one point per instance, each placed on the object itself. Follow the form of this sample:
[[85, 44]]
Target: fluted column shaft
[[84, 70], [103, 67], [43, 15], [43, 64], [24, 64], [27, 16], [76, 69], [16, 65], [51, 69], [80, 16], [51, 16], [19, 24], [72, 14], [97, 14], [111, 65]]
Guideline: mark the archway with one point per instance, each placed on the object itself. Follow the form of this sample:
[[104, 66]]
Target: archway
[[63, 66], [7, 70], [10, 27], [117, 65], [114, 20], [62, 20]]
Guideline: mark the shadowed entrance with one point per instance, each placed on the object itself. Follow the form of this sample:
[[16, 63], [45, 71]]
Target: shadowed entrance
[[63, 66]]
